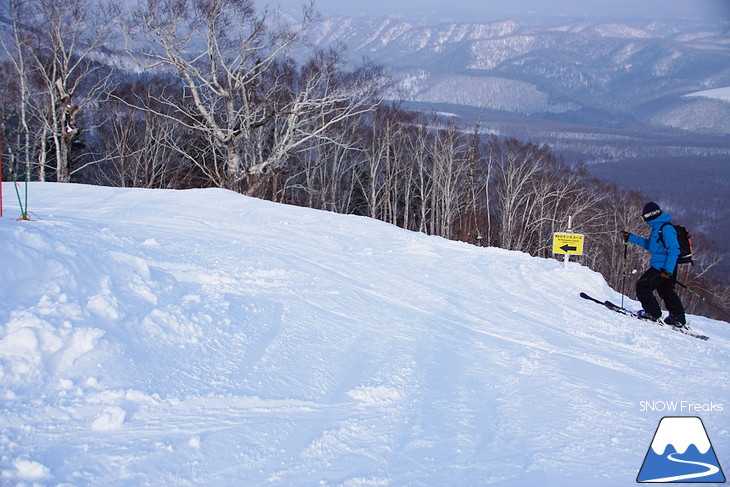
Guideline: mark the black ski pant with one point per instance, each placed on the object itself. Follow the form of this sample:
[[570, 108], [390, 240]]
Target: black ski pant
[[651, 281]]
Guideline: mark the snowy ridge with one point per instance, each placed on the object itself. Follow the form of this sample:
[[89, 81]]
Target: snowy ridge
[[576, 68], [205, 338]]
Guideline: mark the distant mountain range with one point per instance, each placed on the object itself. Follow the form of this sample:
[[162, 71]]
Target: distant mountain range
[[642, 104], [605, 74]]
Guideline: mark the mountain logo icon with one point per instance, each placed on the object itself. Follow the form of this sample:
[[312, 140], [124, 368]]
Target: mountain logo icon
[[680, 452]]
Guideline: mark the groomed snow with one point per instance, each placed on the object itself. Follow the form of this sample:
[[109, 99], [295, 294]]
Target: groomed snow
[[204, 338]]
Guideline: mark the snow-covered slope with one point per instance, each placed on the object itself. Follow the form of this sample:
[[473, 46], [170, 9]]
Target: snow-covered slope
[[205, 338]]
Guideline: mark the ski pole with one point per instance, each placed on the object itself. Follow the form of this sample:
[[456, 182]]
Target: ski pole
[[702, 298]]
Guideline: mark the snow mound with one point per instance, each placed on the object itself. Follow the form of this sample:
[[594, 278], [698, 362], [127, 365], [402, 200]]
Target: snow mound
[[201, 337]]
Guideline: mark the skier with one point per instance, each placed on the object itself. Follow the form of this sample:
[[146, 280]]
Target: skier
[[661, 275]]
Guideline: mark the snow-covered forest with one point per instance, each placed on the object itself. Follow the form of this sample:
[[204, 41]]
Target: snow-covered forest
[[208, 94]]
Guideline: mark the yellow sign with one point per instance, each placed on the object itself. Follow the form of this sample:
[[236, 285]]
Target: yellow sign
[[568, 243]]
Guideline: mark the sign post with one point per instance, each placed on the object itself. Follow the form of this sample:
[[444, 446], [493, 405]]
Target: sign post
[[568, 243]]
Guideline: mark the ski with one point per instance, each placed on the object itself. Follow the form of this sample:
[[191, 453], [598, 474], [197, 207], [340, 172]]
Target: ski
[[624, 311]]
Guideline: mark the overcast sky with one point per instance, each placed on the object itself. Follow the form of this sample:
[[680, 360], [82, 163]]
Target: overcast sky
[[486, 10]]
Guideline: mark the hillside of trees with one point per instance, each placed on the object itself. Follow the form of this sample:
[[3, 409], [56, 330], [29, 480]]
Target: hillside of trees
[[206, 93]]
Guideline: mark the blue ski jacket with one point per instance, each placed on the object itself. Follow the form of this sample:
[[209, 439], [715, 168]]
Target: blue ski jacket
[[663, 255]]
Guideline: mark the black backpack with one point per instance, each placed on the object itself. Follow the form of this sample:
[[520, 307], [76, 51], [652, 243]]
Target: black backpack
[[685, 243]]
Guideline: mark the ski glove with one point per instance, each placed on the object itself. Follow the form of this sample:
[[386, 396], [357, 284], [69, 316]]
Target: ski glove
[[626, 236], [665, 274]]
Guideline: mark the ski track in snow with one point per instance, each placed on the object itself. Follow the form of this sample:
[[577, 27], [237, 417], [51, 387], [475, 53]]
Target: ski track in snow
[[205, 338]]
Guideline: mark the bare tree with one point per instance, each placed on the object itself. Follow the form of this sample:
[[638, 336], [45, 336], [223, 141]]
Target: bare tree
[[449, 193], [55, 48], [473, 230], [383, 164], [140, 145], [421, 170], [17, 49], [245, 95], [517, 167], [323, 176]]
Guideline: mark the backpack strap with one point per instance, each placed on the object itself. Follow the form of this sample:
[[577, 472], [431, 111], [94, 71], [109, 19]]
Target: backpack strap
[[661, 235]]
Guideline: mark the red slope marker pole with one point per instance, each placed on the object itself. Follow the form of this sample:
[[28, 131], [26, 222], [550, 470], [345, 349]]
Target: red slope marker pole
[[1, 173]]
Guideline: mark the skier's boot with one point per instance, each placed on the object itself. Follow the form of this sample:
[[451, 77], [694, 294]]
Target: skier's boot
[[674, 321], [645, 316]]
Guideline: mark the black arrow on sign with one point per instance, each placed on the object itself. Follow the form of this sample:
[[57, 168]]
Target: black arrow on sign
[[568, 248]]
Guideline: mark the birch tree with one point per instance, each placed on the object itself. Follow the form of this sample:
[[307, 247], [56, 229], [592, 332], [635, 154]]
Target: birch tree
[[244, 93], [139, 145], [450, 156], [16, 47], [516, 167], [55, 46]]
